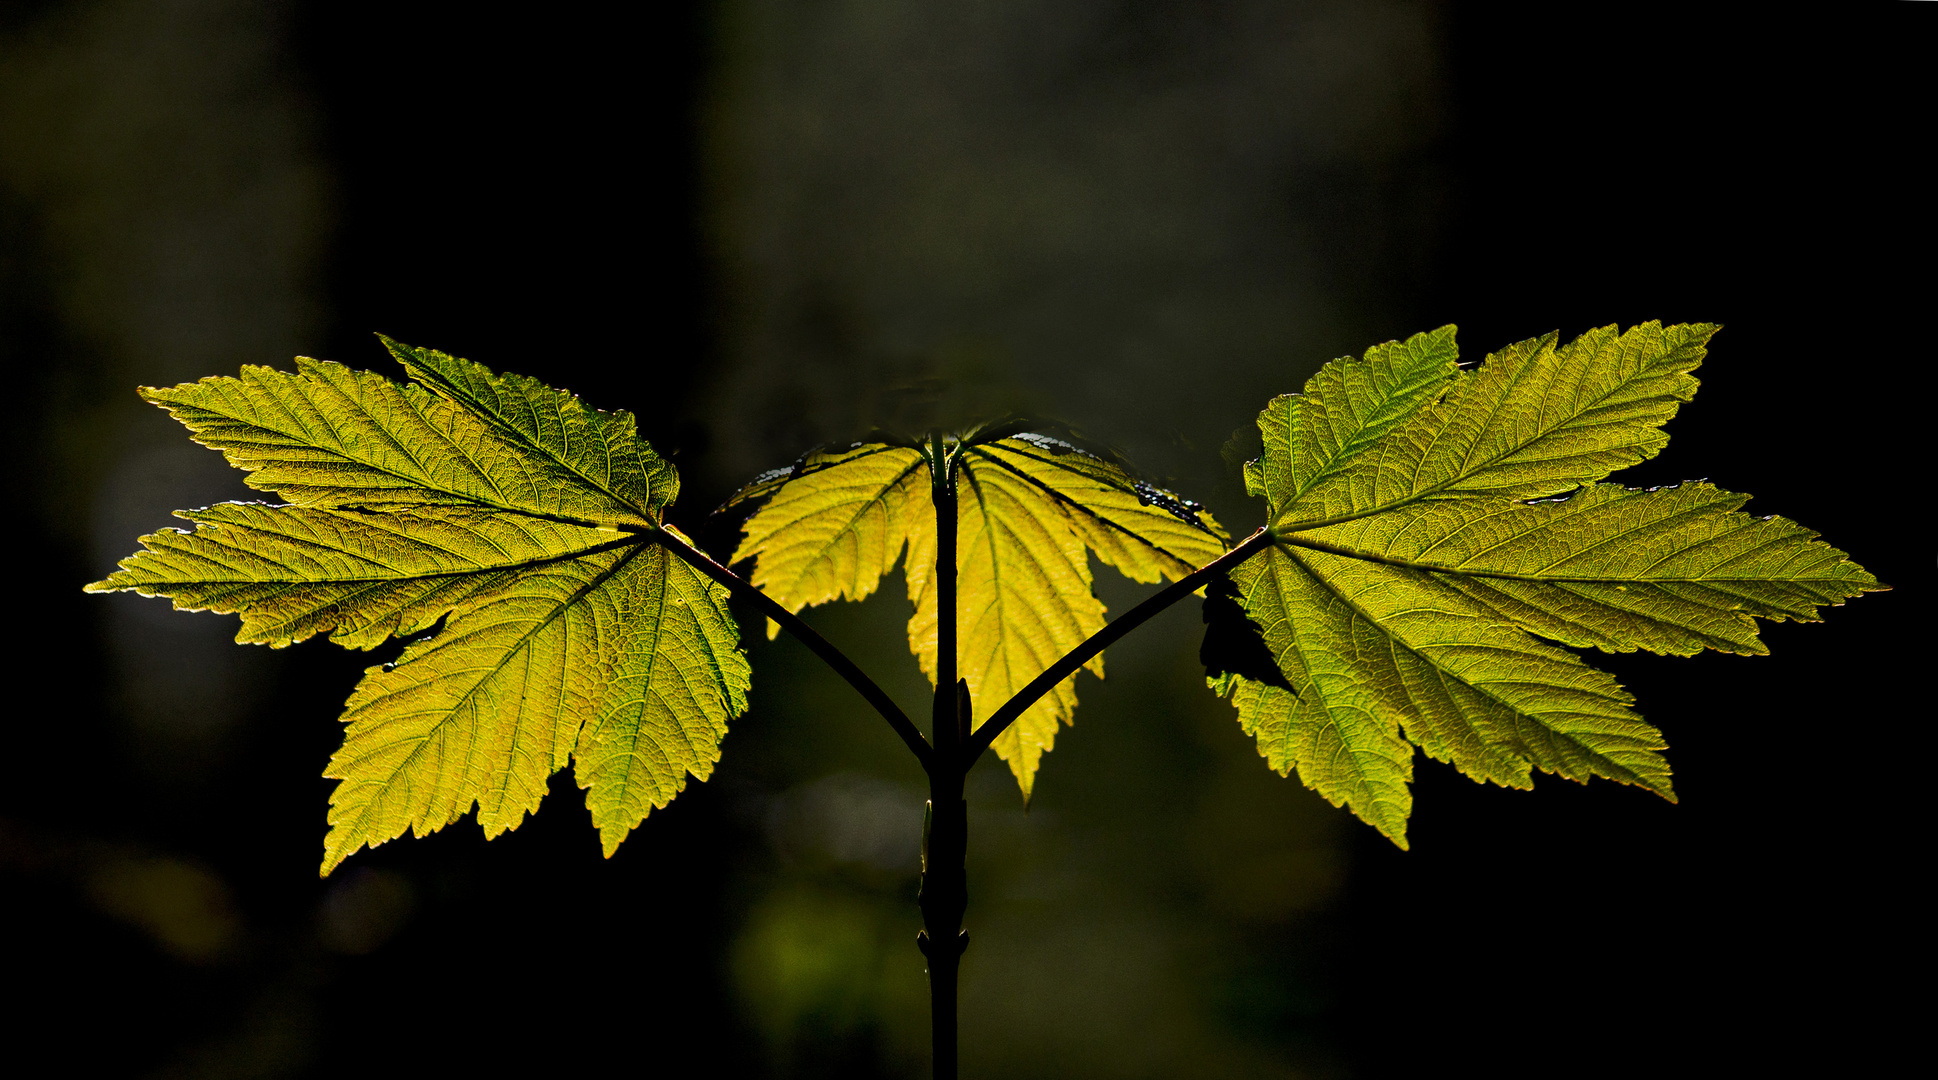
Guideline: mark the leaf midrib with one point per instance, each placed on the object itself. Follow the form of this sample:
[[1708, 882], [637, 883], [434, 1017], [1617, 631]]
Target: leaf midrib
[[1344, 551], [639, 540]]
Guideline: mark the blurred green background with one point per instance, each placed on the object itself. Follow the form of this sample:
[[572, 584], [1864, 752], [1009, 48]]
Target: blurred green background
[[761, 226]]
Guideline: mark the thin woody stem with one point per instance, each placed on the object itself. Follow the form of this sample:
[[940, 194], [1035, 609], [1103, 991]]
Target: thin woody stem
[[807, 635], [1000, 720], [945, 836]]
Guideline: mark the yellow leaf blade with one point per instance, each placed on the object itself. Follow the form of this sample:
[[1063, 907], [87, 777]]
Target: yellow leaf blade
[[1029, 507], [835, 524], [1144, 532]]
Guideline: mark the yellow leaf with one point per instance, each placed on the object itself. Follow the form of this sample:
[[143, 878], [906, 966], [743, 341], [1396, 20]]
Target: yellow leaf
[[1028, 507]]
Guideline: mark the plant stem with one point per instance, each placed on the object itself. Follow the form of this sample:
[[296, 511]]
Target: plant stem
[[945, 832], [944, 897], [1097, 642], [945, 839], [807, 635]]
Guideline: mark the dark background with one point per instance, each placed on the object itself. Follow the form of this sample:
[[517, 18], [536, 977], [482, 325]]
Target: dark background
[[742, 224]]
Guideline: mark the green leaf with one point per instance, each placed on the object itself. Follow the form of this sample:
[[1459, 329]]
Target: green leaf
[[517, 518], [1418, 552], [1028, 510]]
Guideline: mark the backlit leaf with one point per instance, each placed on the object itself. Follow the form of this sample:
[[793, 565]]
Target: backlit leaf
[[1418, 551], [1029, 510], [835, 523], [513, 522]]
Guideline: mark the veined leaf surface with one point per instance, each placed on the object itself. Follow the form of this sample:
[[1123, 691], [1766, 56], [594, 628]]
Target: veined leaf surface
[[517, 517], [835, 523], [1029, 509], [1419, 550]]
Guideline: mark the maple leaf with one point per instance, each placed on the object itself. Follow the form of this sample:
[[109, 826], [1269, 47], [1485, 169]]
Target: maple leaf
[[526, 528], [1428, 524], [1029, 509]]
